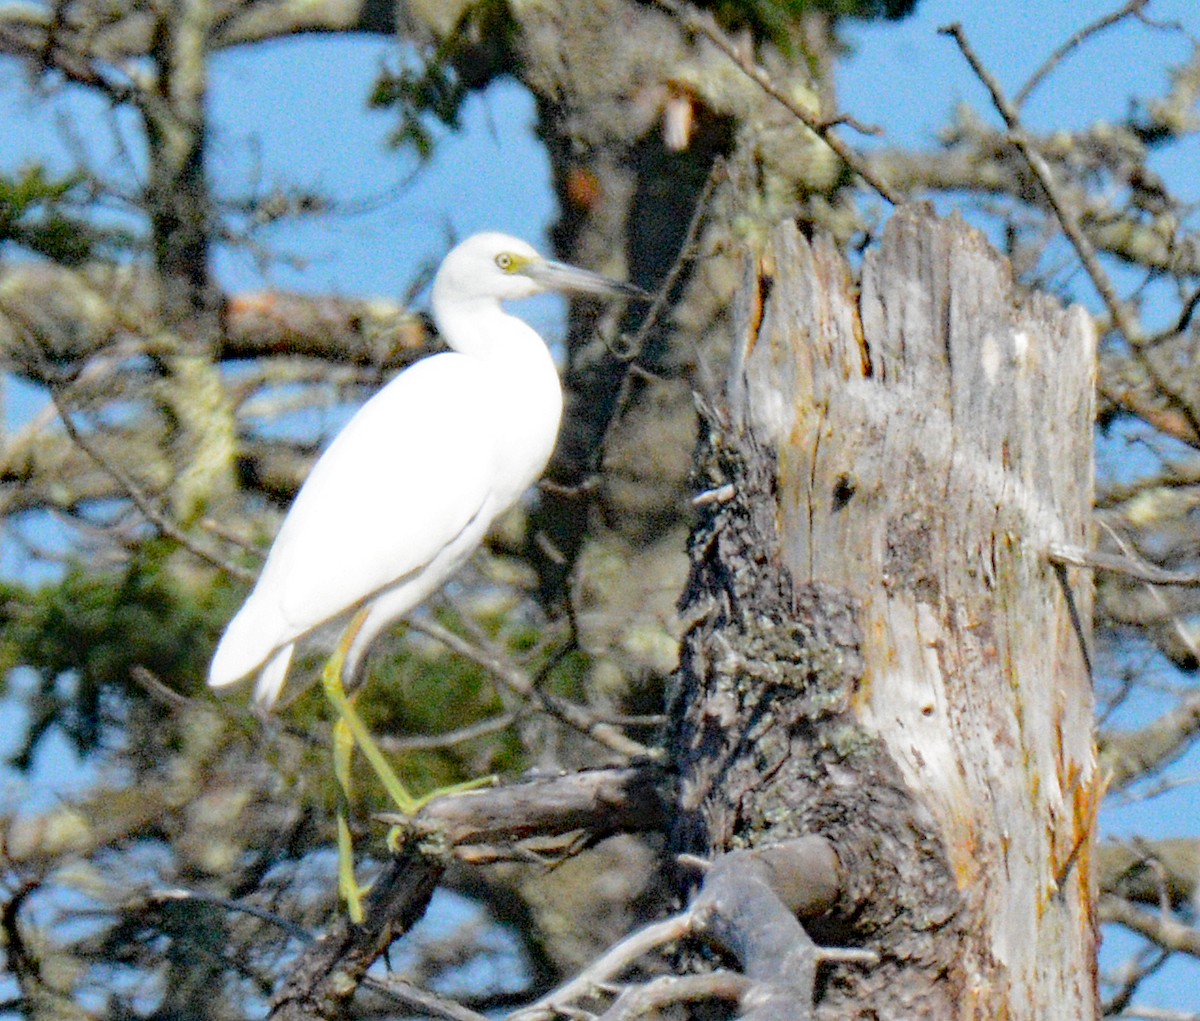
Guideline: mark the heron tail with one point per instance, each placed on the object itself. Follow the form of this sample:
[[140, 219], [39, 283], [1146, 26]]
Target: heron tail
[[254, 636], [272, 676]]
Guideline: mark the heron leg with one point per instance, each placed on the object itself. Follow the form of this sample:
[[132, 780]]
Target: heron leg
[[348, 731], [348, 888], [335, 692]]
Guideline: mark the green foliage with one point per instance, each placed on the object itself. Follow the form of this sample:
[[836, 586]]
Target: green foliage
[[431, 90], [480, 49], [865, 10], [33, 215], [776, 19], [96, 627], [477, 51]]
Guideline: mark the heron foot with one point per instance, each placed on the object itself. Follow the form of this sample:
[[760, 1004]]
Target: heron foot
[[397, 834]]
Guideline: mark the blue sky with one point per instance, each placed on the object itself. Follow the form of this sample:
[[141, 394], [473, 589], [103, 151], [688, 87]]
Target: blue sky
[[293, 114]]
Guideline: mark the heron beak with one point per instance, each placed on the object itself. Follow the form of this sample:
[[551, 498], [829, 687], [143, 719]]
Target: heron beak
[[558, 276]]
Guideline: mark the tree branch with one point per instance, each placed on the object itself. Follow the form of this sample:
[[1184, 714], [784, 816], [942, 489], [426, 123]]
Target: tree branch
[[1122, 564], [1129, 326], [651, 998], [1159, 928], [519, 682], [598, 802], [1131, 756], [704, 24], [1154, 872], [142, 501], [1132, 8], [747, 904]]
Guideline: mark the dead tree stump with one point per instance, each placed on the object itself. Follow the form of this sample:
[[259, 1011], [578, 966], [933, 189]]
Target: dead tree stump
[[883, 652]]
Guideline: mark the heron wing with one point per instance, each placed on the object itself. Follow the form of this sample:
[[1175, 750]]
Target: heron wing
[[407, 474]]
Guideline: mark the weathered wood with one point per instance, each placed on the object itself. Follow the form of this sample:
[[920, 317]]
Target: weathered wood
[[745, 915], [884, 654]]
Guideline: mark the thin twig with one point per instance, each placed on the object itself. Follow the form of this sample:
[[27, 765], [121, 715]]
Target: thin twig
[[1130, 328], [1134, 975], [19, 36], [608, 966], [1134, 7], [736, 887], [1131, 555], [1184, 319], [703, 24], [1157, 1014], [180, 894], [1162, 930], [519, 682], [1041, 170], [874, 130], [141, 500], [717, 172], [1131, 756], [421, 1000], [847, 955], [633, 349], [160, 692], [649, 999], [1164, 785], [436, 742]]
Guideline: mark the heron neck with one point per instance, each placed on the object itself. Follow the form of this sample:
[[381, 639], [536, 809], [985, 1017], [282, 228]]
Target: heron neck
[[482, 329]]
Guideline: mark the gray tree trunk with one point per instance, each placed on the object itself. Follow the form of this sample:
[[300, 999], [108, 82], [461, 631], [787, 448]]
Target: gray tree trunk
[[883, 652]]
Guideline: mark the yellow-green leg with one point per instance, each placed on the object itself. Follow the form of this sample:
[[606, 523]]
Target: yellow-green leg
[[348, 731], [335, 691], [348, 888]]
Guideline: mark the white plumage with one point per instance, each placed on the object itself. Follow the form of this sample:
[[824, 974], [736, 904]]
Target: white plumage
[[408, 489]]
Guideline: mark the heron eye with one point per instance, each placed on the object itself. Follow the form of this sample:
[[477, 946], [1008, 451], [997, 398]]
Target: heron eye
[[505, 261]]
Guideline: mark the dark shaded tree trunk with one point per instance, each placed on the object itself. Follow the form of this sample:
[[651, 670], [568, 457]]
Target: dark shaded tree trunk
[[197, 415], [884, 654]]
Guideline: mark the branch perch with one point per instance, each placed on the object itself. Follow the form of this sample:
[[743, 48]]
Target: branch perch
[[747, 905]]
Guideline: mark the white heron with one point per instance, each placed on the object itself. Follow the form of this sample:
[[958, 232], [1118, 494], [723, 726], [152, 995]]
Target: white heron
[[409, 488]]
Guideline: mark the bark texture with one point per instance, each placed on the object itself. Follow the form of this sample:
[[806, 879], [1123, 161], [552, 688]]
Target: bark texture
[[883, 654]]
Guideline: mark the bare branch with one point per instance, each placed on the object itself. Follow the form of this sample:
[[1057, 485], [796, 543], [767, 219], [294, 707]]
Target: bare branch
[[449, 738], [80, 311], [666, 290], [1159, 928], [1151, 871], [747, 904], [607, 967], [325, 975], [598, 802], [178, 894], [1122, 564], [1131, 756], [649, 999], [142, 501], [517, 681], [704, 24], [1132, 8], [371, 332], [1130, 328], [430, 1004]]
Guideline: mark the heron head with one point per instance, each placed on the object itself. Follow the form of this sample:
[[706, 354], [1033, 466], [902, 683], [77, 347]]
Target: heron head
[[499, 267]]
